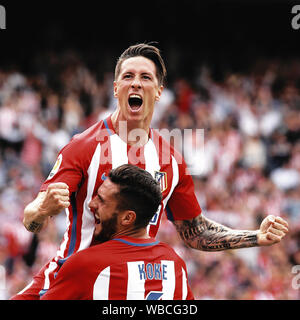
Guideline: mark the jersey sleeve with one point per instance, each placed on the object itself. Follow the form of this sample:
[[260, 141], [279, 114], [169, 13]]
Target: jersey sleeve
[[69, 166], [183, 204]]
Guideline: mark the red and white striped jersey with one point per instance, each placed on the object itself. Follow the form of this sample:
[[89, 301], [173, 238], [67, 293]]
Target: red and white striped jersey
[[84, 164], [122, 269]]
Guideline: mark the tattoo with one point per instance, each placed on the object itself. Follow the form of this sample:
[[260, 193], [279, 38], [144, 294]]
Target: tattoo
[[35, 226], [204, 234]]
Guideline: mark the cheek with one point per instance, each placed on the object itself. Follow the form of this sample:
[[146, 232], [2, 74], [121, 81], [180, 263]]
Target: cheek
[[151, 91], [150, 98], [121, 89]]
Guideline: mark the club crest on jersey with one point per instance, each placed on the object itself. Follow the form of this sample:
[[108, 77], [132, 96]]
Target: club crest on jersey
[[161, 177], [56, 167]]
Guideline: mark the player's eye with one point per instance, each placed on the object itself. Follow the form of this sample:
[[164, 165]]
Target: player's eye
[[100, 198]]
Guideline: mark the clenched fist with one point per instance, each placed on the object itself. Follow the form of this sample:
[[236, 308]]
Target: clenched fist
[[55, 199], [47, 203], [272, 230]]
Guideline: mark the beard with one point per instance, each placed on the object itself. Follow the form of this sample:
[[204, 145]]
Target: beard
[[108, 229]]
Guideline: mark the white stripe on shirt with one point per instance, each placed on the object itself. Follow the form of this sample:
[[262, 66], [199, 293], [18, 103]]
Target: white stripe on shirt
[[151, 158], [168, 279], [118, 151], [136, 283], [184, 284], [52, 267], [88, 220], [62, 248], [101, 285]]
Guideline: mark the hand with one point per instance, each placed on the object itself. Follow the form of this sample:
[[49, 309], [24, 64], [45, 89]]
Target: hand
[[56, 199], [272, 230]]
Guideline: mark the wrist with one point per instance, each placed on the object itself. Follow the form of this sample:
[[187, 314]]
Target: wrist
[[258, 238], [34, 216]]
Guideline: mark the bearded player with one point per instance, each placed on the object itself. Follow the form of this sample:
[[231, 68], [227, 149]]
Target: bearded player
[[129, 264], [126, 137]]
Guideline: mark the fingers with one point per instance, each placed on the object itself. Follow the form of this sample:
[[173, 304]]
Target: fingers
[[272, 230], [282, 221], [57, 198], [64, 204], [281, 227], [277, 222], [273, 237], [267, 222], [58, 186], [271, 219], [277, 230]]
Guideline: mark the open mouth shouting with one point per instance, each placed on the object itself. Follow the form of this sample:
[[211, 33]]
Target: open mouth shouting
[[98, 225], [135, 102], [97, 220]]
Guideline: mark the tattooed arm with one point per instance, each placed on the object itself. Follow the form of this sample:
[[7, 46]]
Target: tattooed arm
[[46, 204], [204, 234]]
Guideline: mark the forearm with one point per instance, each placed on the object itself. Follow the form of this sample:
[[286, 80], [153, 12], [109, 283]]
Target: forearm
[[34, 218], [206, 235], [47, 204]]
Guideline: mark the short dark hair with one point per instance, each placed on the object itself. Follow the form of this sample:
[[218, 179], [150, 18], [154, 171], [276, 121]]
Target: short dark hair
[[138, 191], [147, 51]]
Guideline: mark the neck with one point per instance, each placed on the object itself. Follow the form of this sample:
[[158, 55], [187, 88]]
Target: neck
[[140, 233], [133, 132]]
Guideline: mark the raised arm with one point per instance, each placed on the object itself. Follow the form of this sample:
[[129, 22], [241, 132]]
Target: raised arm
[[48, 203], [207, 235]]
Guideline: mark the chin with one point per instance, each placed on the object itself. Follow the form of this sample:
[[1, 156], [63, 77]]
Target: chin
[[98, 229], [137, 115]]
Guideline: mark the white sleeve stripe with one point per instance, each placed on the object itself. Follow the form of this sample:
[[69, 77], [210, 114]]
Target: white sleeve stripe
[[175, 180], [27, 287], [184, 284]]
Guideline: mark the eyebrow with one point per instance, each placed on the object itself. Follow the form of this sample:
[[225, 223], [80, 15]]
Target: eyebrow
[[147, 73], [143, 72]]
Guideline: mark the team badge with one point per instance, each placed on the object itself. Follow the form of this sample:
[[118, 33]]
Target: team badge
[[161, 177], [56, 167]]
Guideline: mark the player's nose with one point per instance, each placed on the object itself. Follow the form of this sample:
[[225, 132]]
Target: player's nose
[[92, 204], [136, 83]]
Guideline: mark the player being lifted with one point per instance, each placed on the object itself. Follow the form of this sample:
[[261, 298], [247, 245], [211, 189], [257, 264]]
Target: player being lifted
[[132, 265], [84, 163]]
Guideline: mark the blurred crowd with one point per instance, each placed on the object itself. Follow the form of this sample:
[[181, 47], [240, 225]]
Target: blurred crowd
[[250, 166]]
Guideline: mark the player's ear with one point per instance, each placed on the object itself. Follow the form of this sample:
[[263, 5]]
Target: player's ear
[[128, 218], [159, 92], [115, 89]]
